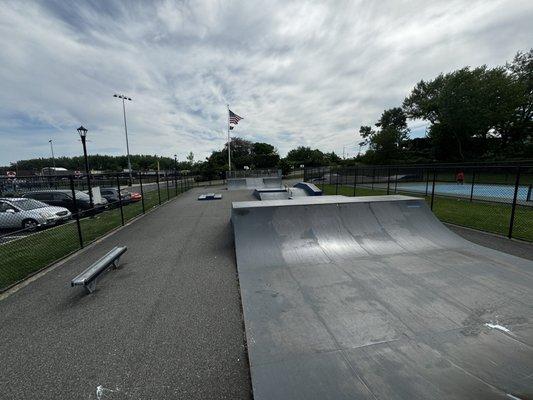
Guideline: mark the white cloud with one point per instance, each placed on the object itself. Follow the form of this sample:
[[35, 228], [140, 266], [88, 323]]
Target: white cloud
[[300, 72]]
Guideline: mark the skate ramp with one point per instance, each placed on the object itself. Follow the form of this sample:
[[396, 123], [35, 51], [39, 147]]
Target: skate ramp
[[254, 183], [280, 193], [309, 188], [373, 298]]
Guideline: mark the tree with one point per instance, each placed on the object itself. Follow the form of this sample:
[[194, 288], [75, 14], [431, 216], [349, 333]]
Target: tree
[[190, 158], [264, 156], [385, 144], [306, 156], [468, 106], [519, 128]]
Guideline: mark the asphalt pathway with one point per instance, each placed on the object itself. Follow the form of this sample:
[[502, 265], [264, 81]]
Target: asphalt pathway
[[166, 324]]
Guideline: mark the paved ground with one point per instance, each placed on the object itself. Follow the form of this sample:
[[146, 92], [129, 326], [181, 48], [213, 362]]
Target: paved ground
[[515, 247], [167, 324]]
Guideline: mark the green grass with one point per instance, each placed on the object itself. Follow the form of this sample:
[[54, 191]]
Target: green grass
[[22, 257], [489, 217]]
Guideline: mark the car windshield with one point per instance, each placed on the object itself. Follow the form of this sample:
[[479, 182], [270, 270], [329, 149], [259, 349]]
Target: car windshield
[[29, 204]]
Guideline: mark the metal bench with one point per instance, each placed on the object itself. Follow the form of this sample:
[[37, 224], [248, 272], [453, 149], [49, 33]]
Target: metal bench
[[88, 277]]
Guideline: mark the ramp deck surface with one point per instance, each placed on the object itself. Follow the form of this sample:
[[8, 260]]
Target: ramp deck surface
[[373, 298]]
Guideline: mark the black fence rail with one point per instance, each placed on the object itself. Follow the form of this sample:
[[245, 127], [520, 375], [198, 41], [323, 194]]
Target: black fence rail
[[43, 219], [253, 173], [492, 198]]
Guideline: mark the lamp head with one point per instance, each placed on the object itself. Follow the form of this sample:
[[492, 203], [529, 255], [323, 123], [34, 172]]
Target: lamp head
[[82, 131]]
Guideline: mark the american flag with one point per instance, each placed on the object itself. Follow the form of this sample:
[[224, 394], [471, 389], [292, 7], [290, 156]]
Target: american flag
[[234, 118]]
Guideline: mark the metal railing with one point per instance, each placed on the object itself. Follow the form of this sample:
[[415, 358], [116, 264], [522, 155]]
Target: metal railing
[[253, 173], [492, 198]]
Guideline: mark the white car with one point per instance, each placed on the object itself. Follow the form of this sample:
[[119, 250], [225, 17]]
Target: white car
[[29, 214]]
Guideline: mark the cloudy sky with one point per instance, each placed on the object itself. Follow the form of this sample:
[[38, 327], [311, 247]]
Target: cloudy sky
[[299, 72]]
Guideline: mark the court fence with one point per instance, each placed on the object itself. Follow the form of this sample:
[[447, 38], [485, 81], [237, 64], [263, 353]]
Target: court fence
[[492, 198], [253, 173], [46, 218]]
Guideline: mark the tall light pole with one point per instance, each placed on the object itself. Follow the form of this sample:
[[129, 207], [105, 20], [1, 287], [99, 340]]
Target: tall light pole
[[124, 98], [53, 158], [83, 135]]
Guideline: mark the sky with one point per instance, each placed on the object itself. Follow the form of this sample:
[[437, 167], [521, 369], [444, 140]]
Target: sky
[[300, 72]]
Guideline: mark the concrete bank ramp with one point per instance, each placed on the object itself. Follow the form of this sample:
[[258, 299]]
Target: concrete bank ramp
[[279, 193], [254, 183], [373, 298]]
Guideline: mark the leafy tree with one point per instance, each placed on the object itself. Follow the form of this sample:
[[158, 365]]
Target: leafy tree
[[519, 128], [332, 158], [468, 106], [285, 166], [386, 144], [306, 156], [190, 158]]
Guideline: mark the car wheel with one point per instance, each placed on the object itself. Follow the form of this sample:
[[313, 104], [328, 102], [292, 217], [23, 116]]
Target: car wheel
[[30, 224]]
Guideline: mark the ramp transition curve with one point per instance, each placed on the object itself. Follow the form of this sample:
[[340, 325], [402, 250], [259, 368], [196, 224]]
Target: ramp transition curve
[[373, 298]]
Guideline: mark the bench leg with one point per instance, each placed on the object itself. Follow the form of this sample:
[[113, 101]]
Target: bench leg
[[116, 263], [91, 287]]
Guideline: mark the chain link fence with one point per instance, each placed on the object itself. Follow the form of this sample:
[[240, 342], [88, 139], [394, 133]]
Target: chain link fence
[[46, 218], [253, 173], [491, 198]]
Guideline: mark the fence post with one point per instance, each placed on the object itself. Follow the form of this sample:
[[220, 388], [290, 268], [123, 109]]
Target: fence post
[[346, 175], [433, 187], [472, 188], [77, 212], [158, 189], [515, 197], [354, 179], [427, 181], [142, 192], [373, 177], [166, 179], [388, 180], [175, 182], [396, 179], [120, 201], [337, 181]]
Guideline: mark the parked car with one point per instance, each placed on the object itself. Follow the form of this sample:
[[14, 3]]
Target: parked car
[[63, 198], [111, 195], [135, 197], [30, 214]]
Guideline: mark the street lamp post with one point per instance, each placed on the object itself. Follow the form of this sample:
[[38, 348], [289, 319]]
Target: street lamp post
[[83, 135], [53, 158], [123, 98]]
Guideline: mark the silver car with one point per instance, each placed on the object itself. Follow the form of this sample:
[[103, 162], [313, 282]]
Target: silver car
[[29, 214]]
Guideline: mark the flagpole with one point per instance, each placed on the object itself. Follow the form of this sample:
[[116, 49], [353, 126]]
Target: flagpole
[[229, 146]]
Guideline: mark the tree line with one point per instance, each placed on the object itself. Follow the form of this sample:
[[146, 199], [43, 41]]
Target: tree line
[[474, 114]]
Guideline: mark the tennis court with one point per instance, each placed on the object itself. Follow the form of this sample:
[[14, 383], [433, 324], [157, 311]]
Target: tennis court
[[488, 192]]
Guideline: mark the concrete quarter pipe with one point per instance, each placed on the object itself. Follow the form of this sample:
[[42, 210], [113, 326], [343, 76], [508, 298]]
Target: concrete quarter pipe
[[373, 298]]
